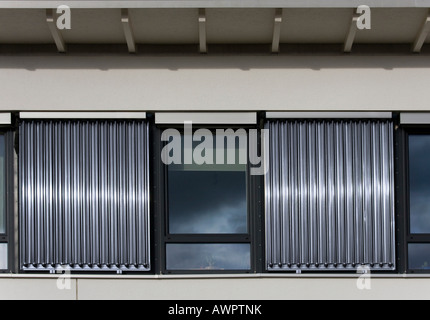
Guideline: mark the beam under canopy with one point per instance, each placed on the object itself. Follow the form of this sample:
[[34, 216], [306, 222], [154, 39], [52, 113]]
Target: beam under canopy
[[422, 35], [56, 34], [350, 37], [128, 31], [277, 31], [202, 31]]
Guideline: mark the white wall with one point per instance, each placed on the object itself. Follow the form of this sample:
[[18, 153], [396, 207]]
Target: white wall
[[340, 83], [253, 288], [343, 82]]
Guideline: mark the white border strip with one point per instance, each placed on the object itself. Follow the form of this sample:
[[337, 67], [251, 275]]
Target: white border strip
[[329, 115], [206, 117], [82, 115], [5, 118], [415, 118]]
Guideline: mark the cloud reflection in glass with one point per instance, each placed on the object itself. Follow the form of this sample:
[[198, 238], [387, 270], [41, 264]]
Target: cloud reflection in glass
[[419, 165], [207, 202]]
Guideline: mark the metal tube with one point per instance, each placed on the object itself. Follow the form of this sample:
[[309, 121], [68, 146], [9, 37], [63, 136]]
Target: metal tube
[[330, 187], [84, 199]]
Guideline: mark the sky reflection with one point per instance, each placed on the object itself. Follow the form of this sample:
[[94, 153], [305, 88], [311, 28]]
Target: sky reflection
[[419, 161], [207, 202], [214, 256], [419, 256]]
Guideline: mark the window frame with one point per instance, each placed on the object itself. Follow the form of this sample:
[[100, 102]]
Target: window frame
[[8, 236], [405, 186], [162, 237]]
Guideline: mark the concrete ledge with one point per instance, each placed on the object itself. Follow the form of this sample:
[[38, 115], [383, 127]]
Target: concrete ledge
[[275, 275], [35, 289], [215, 289]]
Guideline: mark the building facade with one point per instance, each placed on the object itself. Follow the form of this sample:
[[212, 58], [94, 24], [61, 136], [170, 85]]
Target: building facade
[[203, 149]]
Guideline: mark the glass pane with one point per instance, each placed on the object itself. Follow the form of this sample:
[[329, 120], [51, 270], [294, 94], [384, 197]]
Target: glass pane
[[2, 185], [208, 256], [419, 161], [208, 198], [419, 256], [3, 256], [207, 202]]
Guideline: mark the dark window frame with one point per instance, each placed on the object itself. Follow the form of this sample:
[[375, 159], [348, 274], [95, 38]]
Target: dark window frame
[[406, 237], [8, 236], [162, 237]]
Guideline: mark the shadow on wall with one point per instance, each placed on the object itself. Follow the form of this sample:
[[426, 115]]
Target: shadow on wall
[[245, 62]]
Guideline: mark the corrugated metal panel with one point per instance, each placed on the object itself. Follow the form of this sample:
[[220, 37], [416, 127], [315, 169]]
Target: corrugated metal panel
[[84, 195], [330, 195]]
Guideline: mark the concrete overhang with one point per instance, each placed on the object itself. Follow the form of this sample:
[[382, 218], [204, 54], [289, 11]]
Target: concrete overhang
[[94, 4], [206, 23]]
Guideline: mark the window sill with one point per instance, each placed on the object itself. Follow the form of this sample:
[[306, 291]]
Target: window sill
[[214, 276]]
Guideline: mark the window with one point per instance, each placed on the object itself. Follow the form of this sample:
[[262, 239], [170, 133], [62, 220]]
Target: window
[[207, 201], [207, 220], [418, 238], [6, 178], [419, 175], [419, 256], [3, 246], [208, 256], [2, 185], [84, 195]]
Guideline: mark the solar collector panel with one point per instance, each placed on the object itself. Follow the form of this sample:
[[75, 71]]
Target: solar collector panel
[[330, 195], [84, 195]]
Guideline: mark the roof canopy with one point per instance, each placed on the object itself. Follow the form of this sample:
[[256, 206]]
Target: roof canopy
[[98, 4], [205, 23]]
